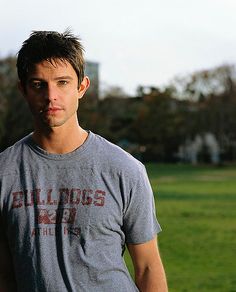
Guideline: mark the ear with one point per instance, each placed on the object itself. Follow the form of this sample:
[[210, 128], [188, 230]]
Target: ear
[[83, 86]]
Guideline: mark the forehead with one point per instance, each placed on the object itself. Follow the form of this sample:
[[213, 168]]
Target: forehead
[[52, 67]]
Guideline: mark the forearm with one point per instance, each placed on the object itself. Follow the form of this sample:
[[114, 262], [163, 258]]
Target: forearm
[[151, 279], [148, 267]]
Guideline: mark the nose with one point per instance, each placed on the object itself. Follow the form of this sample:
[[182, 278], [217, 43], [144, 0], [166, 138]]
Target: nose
[[51, 93]]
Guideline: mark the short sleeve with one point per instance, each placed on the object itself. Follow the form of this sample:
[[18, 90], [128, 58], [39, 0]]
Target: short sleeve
[[140, 223]]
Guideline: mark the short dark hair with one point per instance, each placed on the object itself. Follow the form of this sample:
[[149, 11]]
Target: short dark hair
[[50, 45]]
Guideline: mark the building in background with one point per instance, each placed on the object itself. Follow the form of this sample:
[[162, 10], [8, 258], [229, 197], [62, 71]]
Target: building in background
[[92, 71]]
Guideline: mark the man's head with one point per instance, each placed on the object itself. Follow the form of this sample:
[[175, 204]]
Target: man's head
[[50, 45]]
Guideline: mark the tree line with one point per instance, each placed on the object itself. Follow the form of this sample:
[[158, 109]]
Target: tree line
[[153, 124]]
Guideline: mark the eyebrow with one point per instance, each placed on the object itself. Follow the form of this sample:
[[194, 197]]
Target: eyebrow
[[63, 77], [56, 78]]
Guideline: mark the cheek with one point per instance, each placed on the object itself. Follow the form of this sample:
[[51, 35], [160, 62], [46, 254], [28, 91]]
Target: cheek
[[75, 98], [71, 101], [33, 103]]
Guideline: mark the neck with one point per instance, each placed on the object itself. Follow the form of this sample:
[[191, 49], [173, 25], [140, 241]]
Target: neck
[[60, 140]]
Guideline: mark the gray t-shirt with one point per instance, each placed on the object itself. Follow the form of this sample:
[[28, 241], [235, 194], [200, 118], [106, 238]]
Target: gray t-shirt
[[67, 217]]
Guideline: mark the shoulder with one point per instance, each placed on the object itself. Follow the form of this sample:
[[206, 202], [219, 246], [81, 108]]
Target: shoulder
[[113, 156], [11, 155]]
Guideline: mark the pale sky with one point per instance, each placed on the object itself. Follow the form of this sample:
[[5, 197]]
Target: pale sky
[[135, 42]]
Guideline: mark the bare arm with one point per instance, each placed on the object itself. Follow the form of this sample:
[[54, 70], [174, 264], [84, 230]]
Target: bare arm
[[7, 279], [149, 271]]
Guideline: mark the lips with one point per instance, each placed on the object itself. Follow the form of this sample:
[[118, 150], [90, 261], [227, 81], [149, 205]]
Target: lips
[[51, 110]]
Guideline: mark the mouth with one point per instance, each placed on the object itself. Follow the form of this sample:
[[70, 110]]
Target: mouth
[[51, 110]]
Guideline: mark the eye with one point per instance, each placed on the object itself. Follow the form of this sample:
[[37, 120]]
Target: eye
[[37, 84], [62, 82]]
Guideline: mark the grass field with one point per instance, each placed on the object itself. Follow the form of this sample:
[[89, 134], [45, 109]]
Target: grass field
[[196, 207]]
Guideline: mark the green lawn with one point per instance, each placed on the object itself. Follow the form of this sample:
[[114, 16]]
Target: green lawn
[[196, 207]]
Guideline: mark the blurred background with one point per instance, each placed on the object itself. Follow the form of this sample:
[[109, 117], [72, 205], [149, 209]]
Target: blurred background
[[163, 87]]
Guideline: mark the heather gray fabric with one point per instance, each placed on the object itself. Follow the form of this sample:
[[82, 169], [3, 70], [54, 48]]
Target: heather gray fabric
[[67, 217]]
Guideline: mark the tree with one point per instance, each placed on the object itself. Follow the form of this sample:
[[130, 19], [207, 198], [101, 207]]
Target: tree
[[158, 125], [16, 120], [213, 96], [201, 85]]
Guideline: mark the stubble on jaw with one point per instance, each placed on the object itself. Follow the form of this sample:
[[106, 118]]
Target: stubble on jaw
[[47, 124]]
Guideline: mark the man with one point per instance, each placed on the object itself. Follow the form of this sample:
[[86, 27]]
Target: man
[[71, 200]]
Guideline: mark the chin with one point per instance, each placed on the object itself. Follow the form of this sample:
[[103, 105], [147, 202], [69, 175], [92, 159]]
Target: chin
[[52, 124]]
